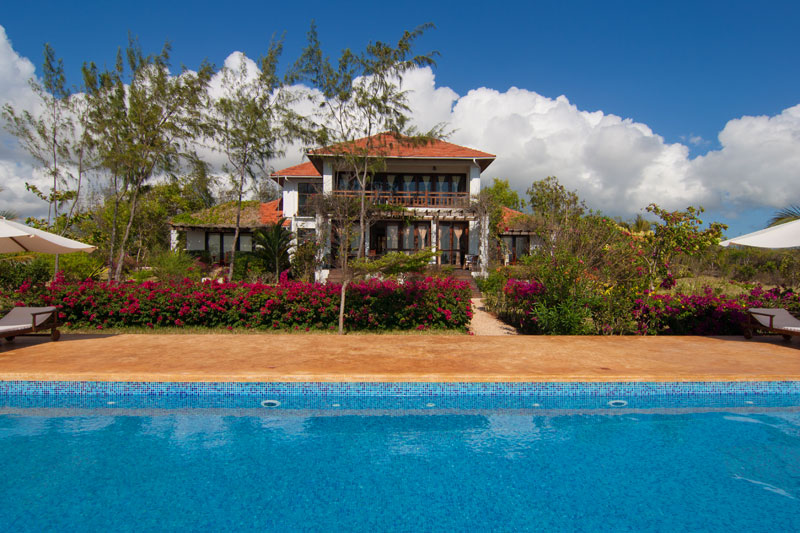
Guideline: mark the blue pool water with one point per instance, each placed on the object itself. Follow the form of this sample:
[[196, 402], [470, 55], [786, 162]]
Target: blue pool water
[[410, 464]]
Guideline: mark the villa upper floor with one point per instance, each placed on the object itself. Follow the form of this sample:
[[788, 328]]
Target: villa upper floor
[[432, 175]]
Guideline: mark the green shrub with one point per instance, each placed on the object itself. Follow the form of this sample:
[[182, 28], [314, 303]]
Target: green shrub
[[19, 270], [79, 266], [177, 264], [250, 267], [304, 261]]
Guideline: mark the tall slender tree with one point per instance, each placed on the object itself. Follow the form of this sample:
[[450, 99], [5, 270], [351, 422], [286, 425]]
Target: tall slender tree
[[252, 122], [44, 132], [143, 121], [54, 134]]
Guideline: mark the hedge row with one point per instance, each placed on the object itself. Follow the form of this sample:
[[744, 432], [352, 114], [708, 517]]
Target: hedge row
[[526, 306], [429, 303]]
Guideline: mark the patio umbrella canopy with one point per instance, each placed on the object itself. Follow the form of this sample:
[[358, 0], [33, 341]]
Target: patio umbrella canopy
[[782, 236], [16, 237]]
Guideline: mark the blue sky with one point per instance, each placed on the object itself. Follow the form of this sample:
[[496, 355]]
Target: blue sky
[[683, 69]]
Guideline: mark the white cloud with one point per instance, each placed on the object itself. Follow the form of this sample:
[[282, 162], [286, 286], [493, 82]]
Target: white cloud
[[759, 162], [15, 71], [616, 164], [16, 166]]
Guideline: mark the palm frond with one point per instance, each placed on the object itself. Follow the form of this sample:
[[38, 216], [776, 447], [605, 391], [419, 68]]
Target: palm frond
[[787, 214]]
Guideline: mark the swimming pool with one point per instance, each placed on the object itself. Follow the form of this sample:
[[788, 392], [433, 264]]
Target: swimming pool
[[334, 461]]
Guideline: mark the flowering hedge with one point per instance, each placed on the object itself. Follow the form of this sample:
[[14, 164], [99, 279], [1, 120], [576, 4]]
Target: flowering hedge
[[428, 303], [707, 313], [525, 305]]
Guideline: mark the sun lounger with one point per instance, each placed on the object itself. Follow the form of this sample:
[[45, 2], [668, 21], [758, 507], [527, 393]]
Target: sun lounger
[[774, 320], [29, 320]]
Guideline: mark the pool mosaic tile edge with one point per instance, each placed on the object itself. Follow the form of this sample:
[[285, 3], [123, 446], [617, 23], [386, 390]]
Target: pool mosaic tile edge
[[397, 389]]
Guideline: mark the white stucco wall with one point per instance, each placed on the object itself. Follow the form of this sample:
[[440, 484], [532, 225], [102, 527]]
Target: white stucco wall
[[327, 177], [290, 198], [474, 177]]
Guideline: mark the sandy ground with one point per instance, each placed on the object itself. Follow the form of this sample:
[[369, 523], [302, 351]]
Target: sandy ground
[[308, 357], [484, 323]]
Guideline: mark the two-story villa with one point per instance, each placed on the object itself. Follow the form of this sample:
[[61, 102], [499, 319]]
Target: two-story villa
[[434, 181]]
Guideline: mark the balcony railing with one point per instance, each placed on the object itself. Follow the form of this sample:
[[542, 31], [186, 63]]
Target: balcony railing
[[412, 199]]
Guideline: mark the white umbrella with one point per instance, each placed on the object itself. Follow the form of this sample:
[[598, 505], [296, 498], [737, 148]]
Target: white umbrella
[[782, 236], [16, 237]]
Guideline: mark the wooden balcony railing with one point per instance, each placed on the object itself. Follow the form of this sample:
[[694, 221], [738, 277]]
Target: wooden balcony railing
[[412, 199]]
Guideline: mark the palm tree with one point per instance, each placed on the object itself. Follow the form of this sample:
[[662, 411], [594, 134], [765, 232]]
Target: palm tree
[[787, 214], [272, 246]]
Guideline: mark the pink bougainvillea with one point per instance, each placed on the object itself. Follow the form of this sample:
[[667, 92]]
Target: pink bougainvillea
[[432, 303]]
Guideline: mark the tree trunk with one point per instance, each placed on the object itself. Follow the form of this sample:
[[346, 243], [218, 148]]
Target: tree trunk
[[238, 220], [362, 225], [121, 256], [68, 223], [341, 305], [113, 240], [54, 195]]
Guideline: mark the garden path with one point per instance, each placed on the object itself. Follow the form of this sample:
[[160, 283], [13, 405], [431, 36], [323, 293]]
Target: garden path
[[485, 323]]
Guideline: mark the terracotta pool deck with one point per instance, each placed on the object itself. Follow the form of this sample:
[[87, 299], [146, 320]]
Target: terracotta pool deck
[[393, 358]]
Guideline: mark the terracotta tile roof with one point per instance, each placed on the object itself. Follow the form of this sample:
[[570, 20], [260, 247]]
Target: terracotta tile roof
[[510, 220], [302, 170], [272, 212], [392, 145]]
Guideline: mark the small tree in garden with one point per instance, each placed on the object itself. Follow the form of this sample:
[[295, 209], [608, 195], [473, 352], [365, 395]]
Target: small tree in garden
[[491, 202], [556, 211], [677, 234], [360, 98], [341, 214], [252, 121]]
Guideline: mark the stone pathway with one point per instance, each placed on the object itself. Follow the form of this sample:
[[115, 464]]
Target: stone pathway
[[484, 323]]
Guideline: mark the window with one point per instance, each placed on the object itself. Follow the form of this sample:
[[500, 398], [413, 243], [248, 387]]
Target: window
[[305, 191]]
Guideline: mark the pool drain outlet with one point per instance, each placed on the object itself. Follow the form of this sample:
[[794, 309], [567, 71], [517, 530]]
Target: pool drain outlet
[[270, 403], [617, 403]]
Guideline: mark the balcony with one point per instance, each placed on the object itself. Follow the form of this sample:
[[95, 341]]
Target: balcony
[[412, 199]]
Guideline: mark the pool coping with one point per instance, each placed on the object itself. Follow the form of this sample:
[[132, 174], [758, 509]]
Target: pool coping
[[397, 389]]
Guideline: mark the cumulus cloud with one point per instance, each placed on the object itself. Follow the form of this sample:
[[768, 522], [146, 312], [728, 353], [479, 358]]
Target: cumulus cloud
[[16, 166], [617, 164], [759, 162], [15, 71]]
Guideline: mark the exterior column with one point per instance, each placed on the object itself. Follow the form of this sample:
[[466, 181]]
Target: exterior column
[[435, 238], [484, 255], [173, 239]]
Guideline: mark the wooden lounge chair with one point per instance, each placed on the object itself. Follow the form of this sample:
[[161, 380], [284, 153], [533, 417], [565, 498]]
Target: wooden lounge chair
[[774, 320], [29, 321]]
